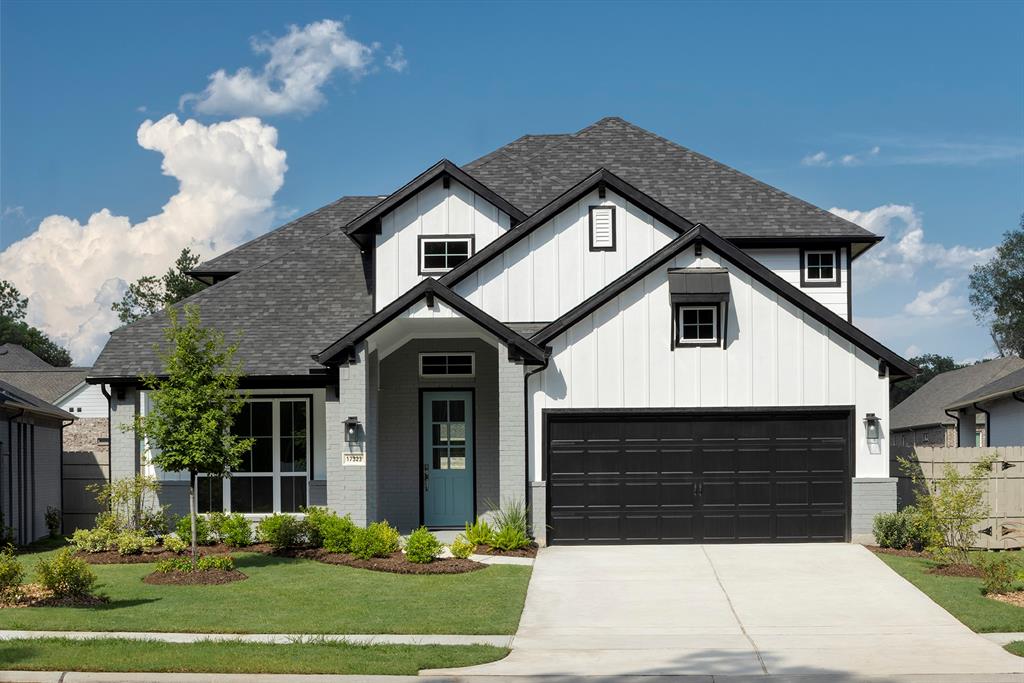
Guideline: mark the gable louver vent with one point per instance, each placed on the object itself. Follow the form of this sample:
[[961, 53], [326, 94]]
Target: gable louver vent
[[602, 228]]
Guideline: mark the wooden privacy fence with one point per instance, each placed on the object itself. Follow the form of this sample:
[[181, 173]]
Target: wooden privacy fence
[[1005, 495]]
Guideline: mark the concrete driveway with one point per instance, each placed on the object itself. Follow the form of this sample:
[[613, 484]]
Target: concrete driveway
[[735, 610]]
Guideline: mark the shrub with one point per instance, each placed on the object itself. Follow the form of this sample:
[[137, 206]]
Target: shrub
[[6, 532], [11, 574], [998, 574], [461, 547], [892, 529], [65, 574], [131, 504], [222, 562], [281, 531], [512, 514], [204, 535], [133, 542], [422, 546], [177, 564], [53, 521], [216, 522], [380, 539], [235, 530], [337, 533], [479, 533], [316, 522], [93, 540], [175, 543], [510, 538], [107, 521]]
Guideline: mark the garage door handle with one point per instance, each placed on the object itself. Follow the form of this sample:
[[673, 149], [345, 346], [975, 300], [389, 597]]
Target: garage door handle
[[698, 488]]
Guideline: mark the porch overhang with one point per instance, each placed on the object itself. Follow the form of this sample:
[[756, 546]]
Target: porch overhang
[[430, 291]]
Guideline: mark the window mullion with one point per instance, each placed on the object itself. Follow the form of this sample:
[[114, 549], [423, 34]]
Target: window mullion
[[276, 450]]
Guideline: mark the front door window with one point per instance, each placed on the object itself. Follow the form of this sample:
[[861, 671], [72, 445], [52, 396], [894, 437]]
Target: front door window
[[447, 458]]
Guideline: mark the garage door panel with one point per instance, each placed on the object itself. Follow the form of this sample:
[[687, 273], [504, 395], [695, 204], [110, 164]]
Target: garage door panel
[[686, 477]]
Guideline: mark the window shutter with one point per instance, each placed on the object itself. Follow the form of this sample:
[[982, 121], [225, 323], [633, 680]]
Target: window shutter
[[602, 228]]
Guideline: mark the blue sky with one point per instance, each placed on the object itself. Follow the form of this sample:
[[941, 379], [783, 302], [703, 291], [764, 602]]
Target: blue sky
[[915, 107]]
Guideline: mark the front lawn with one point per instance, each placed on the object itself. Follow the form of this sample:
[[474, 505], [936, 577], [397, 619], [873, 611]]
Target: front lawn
[[961, 597], [62, 654], [285, 595], [1016, 647]]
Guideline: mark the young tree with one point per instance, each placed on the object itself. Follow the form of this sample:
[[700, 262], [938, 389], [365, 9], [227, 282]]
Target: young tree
[[194, 406], [931, 364], [14, 329], [150, 294], [997, 293]]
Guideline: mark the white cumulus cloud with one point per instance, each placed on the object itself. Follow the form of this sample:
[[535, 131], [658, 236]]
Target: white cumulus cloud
[[299, 64], [939, 300], [816, 159], [227, 176]]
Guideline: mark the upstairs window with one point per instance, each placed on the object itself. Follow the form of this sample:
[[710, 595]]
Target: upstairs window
[[441, 254], [447, 364], [602, 228], [820, 268], [697, 326]]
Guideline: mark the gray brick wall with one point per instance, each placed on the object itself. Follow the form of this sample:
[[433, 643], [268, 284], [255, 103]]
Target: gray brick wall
[[347, 485], [124, 447], [870, 496], [538, 511], [511, 428]]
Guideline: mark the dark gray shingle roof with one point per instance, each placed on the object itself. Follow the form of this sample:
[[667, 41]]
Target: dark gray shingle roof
[[16, 357], [1004, 385], [13, 398], [289, 236], [285, 310], [530, 173], [926, 405], [48, 385]]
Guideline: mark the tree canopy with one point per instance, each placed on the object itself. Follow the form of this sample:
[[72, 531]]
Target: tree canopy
[[150, 294], [997, 293], [14, 329]]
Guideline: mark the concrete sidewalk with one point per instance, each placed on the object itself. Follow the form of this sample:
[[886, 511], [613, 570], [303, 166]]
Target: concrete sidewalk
[[273, 638]]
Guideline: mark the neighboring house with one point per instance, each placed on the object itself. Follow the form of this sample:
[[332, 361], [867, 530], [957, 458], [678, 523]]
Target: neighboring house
[[924, 418], [86, 456], [30, 461], [1001, 404], [645, 344]]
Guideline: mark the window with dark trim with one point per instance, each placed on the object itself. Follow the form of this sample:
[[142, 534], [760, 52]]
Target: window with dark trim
[[447, 364], [697, 325], [442, 253], [820, 268], [602, 228]]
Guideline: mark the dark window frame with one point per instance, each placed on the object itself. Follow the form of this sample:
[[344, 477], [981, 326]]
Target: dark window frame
[[836, 252], [424, 239], [447, 354], [590, 216], [677, 326]]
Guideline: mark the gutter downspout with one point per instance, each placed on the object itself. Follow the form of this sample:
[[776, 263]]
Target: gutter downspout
[[988, 424], [957, 429], [526, 422]]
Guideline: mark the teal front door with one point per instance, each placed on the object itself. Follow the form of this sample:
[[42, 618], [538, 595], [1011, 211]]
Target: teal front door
[[447, 458]]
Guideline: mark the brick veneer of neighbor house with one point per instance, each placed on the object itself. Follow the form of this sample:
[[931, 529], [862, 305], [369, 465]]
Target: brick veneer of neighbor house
[[86, 462]]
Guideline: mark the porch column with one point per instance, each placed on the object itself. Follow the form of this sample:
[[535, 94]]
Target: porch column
[[511, 429], [124, 445], [350, 488]]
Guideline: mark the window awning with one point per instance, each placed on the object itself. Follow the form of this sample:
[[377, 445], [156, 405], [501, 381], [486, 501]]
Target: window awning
[[698, 285]]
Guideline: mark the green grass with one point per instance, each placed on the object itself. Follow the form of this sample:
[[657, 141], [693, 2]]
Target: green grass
[[62, 654], [1016, 648], [284, 595], [961, 597]]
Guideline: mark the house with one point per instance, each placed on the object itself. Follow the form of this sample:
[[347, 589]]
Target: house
[[85, 456], [924, 418], [30, 462], [646, 345], [1001, 404]]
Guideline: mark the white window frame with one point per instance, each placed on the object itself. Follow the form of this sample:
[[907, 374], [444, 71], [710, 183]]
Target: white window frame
[[472, 364], [835, 266], [276, 458], [679, 325], [433, 239]]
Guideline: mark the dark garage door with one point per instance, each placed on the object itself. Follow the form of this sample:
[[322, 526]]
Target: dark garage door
[[684, 477]]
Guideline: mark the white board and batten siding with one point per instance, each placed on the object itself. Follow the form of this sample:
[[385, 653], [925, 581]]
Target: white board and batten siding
[[553, 269], [435, 210], [621, 356], [786, 264]]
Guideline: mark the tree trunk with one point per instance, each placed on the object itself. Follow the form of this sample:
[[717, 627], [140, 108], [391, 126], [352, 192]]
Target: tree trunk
[[192, 515]]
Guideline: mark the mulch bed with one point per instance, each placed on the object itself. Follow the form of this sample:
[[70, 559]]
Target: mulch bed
[[1016, 598], [207, 577], [967, 570], [34, 595], [528, 551], [159, 553], [395, 563]]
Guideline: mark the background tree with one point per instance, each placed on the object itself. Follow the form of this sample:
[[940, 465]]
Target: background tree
[[931, 364], [14, 329], [194, 406], [997, 293], [150, 294]]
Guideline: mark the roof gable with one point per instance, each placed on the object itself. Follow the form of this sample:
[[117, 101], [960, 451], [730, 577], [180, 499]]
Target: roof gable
[[12, 397], [17, 357], [1004, 386]]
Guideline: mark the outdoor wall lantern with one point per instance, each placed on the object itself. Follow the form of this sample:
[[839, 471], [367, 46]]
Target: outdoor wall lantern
[[352, 430], [873, 430]]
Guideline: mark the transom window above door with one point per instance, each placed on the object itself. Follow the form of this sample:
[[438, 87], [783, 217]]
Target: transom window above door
[[447, 364], [441, 254]]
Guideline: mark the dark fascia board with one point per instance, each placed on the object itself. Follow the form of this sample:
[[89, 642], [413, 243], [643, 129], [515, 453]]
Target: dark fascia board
[[858, 244], [978, 397], [755, 269], [314, 380], [368, 218], [600, 177], [431, 287]]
